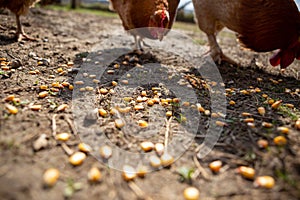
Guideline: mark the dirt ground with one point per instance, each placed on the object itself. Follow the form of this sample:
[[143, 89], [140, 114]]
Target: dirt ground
[[65, 41]]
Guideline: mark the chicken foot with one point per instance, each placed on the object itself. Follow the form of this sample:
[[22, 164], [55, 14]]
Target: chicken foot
[[216, 53], [139, 43], [20, 34]]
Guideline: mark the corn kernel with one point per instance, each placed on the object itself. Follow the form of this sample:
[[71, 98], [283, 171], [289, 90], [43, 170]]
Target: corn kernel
[[143, 93], [154, 161], [59, 70], [231, 103], [139, 107], [62, 107], [264, 95], [297, 124], [102, 112], [265, 182], [246, 172], [191, 193], [276, 104], [10, 97], [289, 105], [79, 83], [261, 111], [280, 141], [150, 102], [84, 147], [200, 108], [142, 171], [219, 123], [166, 159], [169, 113], [129, 173], [124, 110], [36, 107], [44, 87], [77, 158], [262, 144], [114, 83], [215, 115], [105, 152], [186, 103], [283, 130], [147, 146], [159, 148], [63, 137], [119, 123], [51, 176], [43, 94], [94, 175], [71, 87], [103, 91], [247, 120], [143, 123], [11, 109], [215, 166], [245, 114], [141, 99], [125, 82], [65, 84], [267, 125]]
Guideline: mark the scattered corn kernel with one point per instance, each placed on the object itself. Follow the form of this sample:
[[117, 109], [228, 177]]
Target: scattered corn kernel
[[127, 99], [207, 112], [77, 158], [62, 107], [215, 166], [280, 141], [71, 87], [191, 193], [251, 125], [63, 137], [247, 120], [186, 103], [289, 105], [159, 148], [265, 182], [139, 107], [215, 115], [271, 101], [283, 130], [166, 159], [176, 100], [267, 125], [94, 175], [276, 104], [36, 107], [79, 83], [103, 91], [51, 176], [219, 123], [150, 102], [155, 161], [141, 99], [129, 173], [125, 82], [65, 84], [262, 143], [105, 152], [84, 147], [114, 83], [246, 114], [147, 146], [59, 70], [143, 93], [143, 123], [261, 111], [141, 171], [11, 109], [200, 108], [102, 112], [231, 103], [54, 89], [246, 172], [124, 110], [169, 113], [297, 124], [264, 95], [89, 88], [119, 123], [10, 97], [43, 94]]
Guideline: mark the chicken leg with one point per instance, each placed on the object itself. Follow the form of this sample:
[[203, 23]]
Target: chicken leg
[[20, 34], [216, 51]]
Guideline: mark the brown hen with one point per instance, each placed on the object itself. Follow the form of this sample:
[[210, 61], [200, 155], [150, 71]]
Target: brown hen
[[19, 7], [261, 25], [157, 15]]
